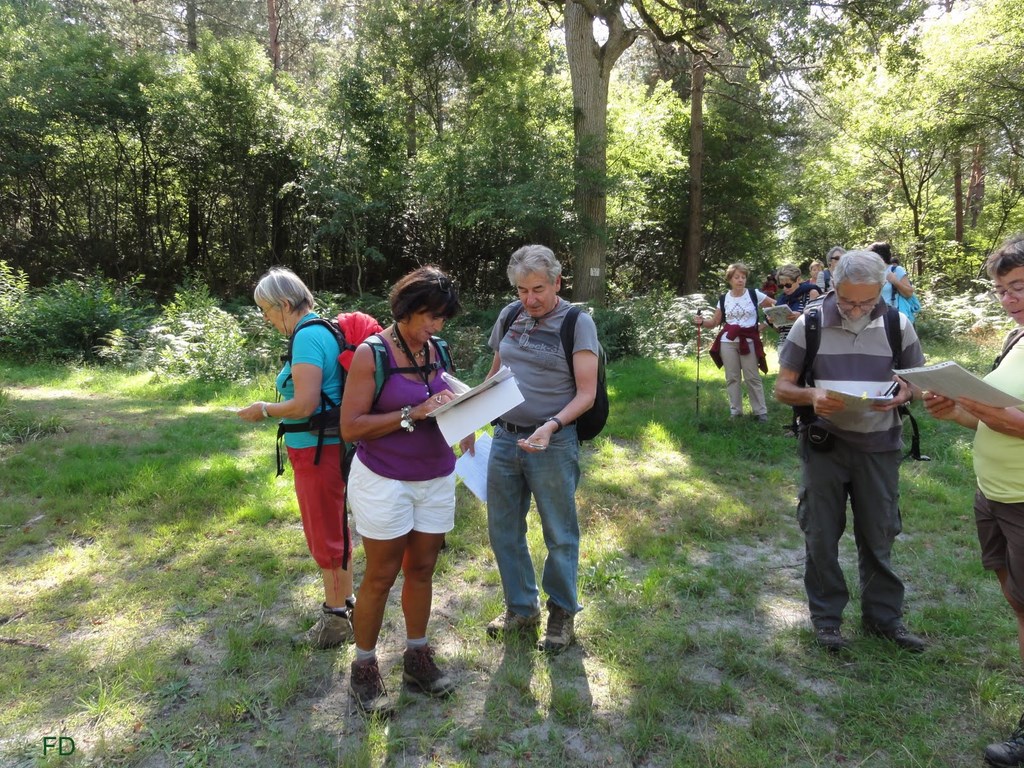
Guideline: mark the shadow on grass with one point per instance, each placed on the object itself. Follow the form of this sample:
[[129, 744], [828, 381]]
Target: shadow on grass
[[130, 563]]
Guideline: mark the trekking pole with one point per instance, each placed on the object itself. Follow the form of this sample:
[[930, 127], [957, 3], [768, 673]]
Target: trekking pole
[[700, 326]]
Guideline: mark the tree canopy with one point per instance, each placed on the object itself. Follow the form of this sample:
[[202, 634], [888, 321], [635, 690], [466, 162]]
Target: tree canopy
[[352, 141]]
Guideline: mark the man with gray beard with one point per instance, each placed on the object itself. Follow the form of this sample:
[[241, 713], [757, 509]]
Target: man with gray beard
[[850, 453]]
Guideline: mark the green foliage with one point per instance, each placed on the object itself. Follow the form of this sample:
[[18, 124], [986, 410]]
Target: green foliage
[[960, 319], [195, 338], [68, 319], [13, 295]]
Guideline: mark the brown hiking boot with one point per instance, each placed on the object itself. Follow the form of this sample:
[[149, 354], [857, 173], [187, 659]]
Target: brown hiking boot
[[367, 688], [511, 623], [831, 639], [898, 634], [560, 631], [422, 673], [331, 630]]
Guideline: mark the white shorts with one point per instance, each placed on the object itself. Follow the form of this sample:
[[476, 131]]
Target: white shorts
[[386, 509]]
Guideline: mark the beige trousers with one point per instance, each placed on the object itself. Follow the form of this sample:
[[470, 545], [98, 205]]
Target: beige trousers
[[735, 363]]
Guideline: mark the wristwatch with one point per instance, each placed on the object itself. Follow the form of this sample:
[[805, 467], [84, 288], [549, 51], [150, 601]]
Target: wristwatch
[[407, 422]]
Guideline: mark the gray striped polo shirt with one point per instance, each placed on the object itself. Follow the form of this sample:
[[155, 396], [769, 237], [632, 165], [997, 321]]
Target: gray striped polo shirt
[[847, 356]]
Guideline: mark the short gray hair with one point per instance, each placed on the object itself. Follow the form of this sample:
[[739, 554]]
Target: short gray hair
[[833, 251], [792, 271], [859, 268], [279, 285], [530, 259]]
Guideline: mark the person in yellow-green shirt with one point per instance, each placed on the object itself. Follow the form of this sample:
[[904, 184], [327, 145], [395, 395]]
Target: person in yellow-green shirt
[[999, 462]]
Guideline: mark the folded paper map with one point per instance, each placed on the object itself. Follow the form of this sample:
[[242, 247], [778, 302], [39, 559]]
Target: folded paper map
[[951, 380], [478, 406], [859, 395], [779, 314]]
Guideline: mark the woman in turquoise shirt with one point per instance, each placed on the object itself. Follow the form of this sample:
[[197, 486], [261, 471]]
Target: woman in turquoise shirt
[[287, 305]]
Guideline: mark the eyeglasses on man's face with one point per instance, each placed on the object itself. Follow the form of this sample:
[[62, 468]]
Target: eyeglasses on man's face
[[849, 306], [1014, 290]]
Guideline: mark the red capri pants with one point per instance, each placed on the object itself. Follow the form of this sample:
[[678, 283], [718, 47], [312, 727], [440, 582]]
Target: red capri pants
[[321, 494]]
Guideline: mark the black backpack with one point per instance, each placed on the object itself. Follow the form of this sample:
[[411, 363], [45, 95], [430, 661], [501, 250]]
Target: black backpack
[[894, 334], [589, 423]]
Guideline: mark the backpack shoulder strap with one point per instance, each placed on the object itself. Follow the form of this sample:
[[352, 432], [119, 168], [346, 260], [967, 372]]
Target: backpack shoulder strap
[[893, 293], [339, 336], [381, 364], [444, 353], [894, 334], [721, 305], [517, 308], [287, 358], [568, 334], [812, 340], [1011, 341]]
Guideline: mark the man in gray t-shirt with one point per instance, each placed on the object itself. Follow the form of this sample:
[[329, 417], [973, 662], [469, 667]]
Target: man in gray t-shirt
[[535, 452]]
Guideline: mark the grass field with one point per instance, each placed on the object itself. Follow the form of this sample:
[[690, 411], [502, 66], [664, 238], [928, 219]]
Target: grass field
[[154, 569]]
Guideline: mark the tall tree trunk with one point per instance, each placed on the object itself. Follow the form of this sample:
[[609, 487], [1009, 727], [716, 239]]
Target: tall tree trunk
[[274, 34], [694, 233], [590, 128], [590, 68], [958, 197], [410, 118], [976, 188], [192, 256]]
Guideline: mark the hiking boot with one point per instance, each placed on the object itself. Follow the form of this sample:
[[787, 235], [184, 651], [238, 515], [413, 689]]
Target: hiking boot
[[899, 635], [422, 673], [831, 639], [367, 688], [510, 623], [332, 629], [762, 418], [560, 630], [1009, 753]]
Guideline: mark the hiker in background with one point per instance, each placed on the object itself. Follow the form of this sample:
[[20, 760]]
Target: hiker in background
[[535, 451], [738, 345], [851, 454], [402, 481], [816, 275], [771, 284], [287, 305], [999, 462], [824, 279], [899, 291], [795, 293]]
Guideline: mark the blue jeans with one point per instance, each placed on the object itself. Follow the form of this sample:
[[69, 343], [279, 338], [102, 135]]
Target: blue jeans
[[551, 476]]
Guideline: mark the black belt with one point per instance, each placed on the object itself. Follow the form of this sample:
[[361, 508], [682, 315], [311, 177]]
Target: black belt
[[515, 428]]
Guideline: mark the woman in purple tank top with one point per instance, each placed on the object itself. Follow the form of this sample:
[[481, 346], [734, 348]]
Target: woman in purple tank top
[[402, 483]]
